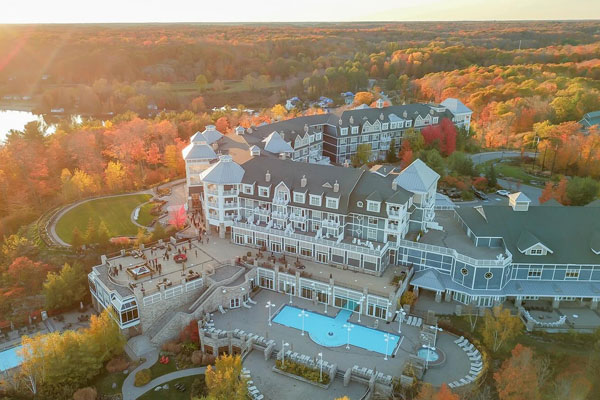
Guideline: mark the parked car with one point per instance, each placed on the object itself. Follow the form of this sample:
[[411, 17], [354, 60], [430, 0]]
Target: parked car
[[502, 192], [479, 194]]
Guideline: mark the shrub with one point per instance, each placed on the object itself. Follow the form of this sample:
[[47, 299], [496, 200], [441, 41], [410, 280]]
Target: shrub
[[408, 297], [117, 364], [197, 357], [480, 183], [189, 348], [87, 393], [304, 371], [172, 347], [198, 388], [143, 377]]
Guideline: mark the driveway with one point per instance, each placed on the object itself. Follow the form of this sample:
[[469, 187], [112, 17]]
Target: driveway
[[480, 158]]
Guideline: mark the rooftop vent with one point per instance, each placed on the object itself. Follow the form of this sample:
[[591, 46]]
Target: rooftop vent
[[394, 185]]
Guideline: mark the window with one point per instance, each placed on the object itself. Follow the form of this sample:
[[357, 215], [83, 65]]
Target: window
[[536, 252], [344, 131], [299, 197], [488, 275], [354, 130], [464, 271], [318, 136], [359, 204], [372, 234], [534, 273], [435, 120], [572, 273], [408, 124], [373, 206], [315, 200], [372, 221], [331, 203], [248, 189], [384, 126], [263, 191]]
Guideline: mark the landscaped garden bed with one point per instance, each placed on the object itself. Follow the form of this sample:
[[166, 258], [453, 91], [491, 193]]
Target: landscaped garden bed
[[302, 372]]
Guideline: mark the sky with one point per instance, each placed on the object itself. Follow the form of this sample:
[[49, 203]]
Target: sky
[[88, 11]]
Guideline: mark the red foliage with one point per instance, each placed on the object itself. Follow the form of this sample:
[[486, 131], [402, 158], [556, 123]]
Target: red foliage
[[441, 136], [222, 125], [190, 332], [28, 274], [480, 183]]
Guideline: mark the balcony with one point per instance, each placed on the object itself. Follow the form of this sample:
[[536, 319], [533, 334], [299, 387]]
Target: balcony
[[328, 223], [298, 218], [280, 201], [279, 215], [393, 226], [394, 214], [261, 211], [212, 204], [232, 192], [214, 191], [230, 205]]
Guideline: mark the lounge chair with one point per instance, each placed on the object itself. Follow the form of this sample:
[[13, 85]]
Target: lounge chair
[[463, 381], [452, 385], [459, 340], [469, 348], [419, 322], [477, 364], [259, 397], [473, 353]]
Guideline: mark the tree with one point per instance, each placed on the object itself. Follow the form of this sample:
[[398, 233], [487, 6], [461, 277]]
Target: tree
[[363, 154], [201, 82], [178, 218], [490, 175], [460, 163], [390, 156], [427, 392], [222, 125], [558, 192], [91, 233], [28, 274], [581, 191], [76, 238], [363, 98], [103, 234], [66, 287], [223, 381], [198, 105], [517, 379], [115, 175], [434, 160], [499, 327], [278, 111]]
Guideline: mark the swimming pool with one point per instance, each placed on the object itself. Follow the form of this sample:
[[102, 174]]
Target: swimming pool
[[10, 359], [330, 332]]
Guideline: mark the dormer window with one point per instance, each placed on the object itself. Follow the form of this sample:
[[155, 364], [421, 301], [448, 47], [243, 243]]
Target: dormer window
[[299, 197], [408, 123], [354, 130], [435, 120], [384, 126], [315, 200], [248, 189], [344, 131], [263, 191], [331, 203], [536, 252], [373, 206]]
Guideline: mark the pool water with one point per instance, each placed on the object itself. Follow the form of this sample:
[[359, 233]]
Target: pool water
[[428, 354], [330, 332], [10, 359]]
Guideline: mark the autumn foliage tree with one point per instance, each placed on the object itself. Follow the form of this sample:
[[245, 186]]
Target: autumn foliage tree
[[223, 381], [517, 379], [441, 136], [500, 327], [427, 392], [28, 274]]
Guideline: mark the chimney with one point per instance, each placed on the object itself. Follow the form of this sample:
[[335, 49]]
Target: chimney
[[303, 181], [394, 185], [268, 176], [336, 187], [346, 163]]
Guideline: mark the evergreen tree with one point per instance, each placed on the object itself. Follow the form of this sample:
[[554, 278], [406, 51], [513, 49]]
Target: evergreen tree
[[91, 233], [103, 234], [491, 176], [76, 239]]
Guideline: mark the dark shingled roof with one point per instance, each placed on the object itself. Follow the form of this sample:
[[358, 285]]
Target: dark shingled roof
[[355, 184], [567, 231], [526, 240]]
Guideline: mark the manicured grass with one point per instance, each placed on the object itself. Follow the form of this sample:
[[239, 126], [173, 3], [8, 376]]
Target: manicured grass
[[114, 211], [159, 369], [172, 393], [512, 170], [103, 383], [144, 217]]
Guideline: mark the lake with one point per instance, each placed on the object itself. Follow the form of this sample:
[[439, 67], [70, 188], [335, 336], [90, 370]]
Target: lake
[[12, 119]]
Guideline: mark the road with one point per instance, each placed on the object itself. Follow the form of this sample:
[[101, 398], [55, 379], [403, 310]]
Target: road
[[480, 158]]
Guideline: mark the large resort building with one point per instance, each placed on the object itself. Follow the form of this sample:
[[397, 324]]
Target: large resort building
[[272, 188]]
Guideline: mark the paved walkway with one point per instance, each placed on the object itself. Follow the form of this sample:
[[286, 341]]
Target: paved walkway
[[130, 392], [480, 158], [135, 392], [57, 216]]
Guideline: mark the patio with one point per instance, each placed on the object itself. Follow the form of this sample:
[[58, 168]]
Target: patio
[[255, 320]]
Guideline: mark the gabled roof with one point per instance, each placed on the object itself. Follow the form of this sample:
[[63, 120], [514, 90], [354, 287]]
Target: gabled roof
[[224, 172], [274, 143], [417, 177], [428, 279], [527, 240], [455, 106], [198, 151], [519, 197]]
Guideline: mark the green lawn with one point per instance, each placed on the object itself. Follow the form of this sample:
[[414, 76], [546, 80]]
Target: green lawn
[[103, 383], [114, 211], [171, 393], [145, 218], [159, 369], [511, 170]]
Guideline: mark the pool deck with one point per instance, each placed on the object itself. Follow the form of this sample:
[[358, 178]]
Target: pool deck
[[255, 320]]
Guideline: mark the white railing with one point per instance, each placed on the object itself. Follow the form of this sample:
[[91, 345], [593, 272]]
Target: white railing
[[297, 218], [230, 205], [212, 204], [460, 257], [212, 191], [232, 192], [261, 211], [311, 239], [280, 201], [279, 215]]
